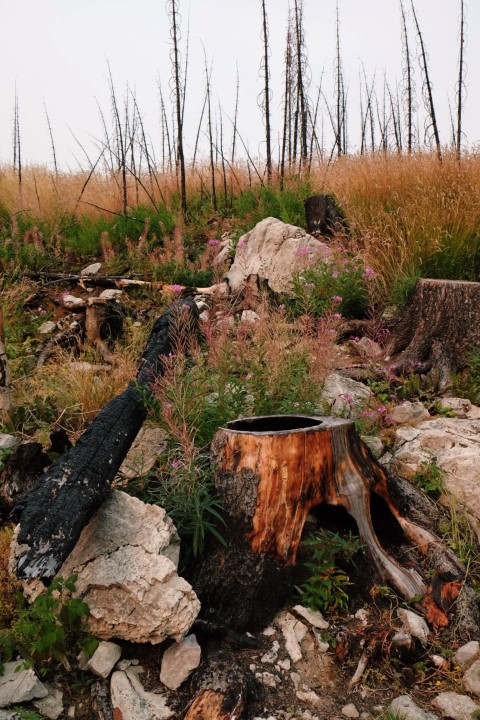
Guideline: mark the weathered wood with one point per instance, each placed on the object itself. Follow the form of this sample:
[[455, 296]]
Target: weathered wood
[[324, 216], [55, 512], [437, 330], [271, 472], [4, 370]]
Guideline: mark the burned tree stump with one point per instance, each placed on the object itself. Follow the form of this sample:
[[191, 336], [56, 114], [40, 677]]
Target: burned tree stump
[[64, 499], [4, 371], [438, 330], [271, 471], [324, 216]]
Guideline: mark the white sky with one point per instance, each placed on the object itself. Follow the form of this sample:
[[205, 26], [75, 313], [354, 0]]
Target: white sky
[[57, 51]]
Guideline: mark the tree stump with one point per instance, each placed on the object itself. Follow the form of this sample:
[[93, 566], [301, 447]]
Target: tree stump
[[270, 472], [324, 216], [4, 370], [438, 330]]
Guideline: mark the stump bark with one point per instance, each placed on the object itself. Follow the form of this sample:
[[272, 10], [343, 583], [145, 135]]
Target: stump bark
[[324, 216], [65, 497], [271, 472], [438, 330], [4, 370]]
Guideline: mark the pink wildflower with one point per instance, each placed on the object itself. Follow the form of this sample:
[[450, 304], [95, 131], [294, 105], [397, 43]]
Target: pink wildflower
[[335, 274], [176, 463], [176, 288], [213, 242], [303, 250], [337, 298], [337, 316], [381, 409], [369, 273]]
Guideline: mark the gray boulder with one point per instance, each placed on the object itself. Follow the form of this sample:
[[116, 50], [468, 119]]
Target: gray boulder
[[18, 685]]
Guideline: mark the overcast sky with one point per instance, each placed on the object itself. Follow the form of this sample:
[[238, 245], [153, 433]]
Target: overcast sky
[[57, 50]]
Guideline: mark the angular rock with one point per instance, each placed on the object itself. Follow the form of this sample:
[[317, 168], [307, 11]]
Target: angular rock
[[414, 624], [272, 655], [126, 562], [368, 348], [47, 327], [133, 702], [313, 617], [345, 397], [350, 711], [274, 252], [471, 678], [308, 696], [144, 453], [407, 709], [51, 706], [71, 301], [179, 660], [286, 622], [18, 685], [111, 294], [408, 412], [92, 269], [466, 654], [104, 658], [460, 407], [249, 317], [454, 445], [8, 441], [375, 444], [456, 706]]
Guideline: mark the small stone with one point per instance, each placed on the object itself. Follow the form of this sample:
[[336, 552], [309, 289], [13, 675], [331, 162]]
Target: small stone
[[459, 407], [313, 617], [407, 709], [51, 706], [415, 624], [179, 660], [440, 662], [91, 269], [374, 444], [82, 661], [295, 680], [104, 658], [269, 680], [456, 706], [47, 327], [8, 441], [250, 317], [271, 655], [466, 654], [70, 301], [471, 678], [300, 630], [284, 664], [368, 348], [362, 615], [350, 711], [269, 631], [123, 664], [71, 711], [204, 316], [287, 623], [18, 685], [110, 294], [307, 696], [252, 667], [132, 700], [409, 412]]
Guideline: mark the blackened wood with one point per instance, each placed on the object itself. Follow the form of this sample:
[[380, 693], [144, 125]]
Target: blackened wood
[[19, 473], [55, 512], [4, 370], [323, 215]]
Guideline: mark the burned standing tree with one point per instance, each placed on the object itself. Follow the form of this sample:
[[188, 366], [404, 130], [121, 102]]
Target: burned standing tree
[[408, 80], [461, 79], [178, 89], [265, 97]]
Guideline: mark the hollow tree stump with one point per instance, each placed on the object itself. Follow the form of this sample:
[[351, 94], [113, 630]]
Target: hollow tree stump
[[270, 472], [438, 329]]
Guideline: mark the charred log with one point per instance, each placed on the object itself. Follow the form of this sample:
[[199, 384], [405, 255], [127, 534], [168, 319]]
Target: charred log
[[4, 370], [271, 472], [55, 512], [19, 474], [438, 330]]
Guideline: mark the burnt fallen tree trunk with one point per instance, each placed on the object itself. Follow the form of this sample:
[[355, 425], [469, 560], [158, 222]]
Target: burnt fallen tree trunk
[[55, 512], [438, 330], [271, 472]]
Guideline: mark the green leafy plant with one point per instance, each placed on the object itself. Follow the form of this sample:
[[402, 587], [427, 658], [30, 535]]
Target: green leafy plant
[[326, 589], [430, 479], [49, 630]]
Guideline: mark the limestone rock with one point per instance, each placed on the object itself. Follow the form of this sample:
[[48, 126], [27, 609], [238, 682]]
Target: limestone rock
[[460, 407], [286, 622], [313, 617], [126, 562], [466, 654], [71, 301], [414, 624], [350, 711], [92, 269], [471, 678], [104, 658], [144, 453], [407, 709], [456, 706], [375, 444], [51, 706], [133, 702], [18, 685], [454, 445], [345, 397], [111, 294], [47, 327], [274, 252], [7, 442], [179, 660], [408, 412], [249, 316]]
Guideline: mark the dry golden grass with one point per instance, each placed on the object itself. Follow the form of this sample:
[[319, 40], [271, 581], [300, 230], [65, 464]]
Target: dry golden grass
[[8, 586]]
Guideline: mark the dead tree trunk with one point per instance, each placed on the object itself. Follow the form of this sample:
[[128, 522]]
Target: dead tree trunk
[[438, 330], [4, 372], [271, 472], [55, 512]]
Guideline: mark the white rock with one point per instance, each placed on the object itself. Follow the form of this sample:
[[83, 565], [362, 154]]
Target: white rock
[[18, 685], [471, 678], [126, 562], [250, 317], [368, 348], [147, 447], [408, 412], [407, 709], [47, 327], [375, 445], [350, 711], [204, 316], [414, 624], [8, 441], [274, 252], [300, 630], [286, 623], [314, 617], [71, 301], [134, 703], [91, 269], [111, 294], [51, 706], [269, 631], [104, 658], [308, 696], [362, 615], [456, 706], [284, 664], [179, 660], [345, 397], [295, 679], [272, 654], [466, 654], [269, 680], [460, 407]]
